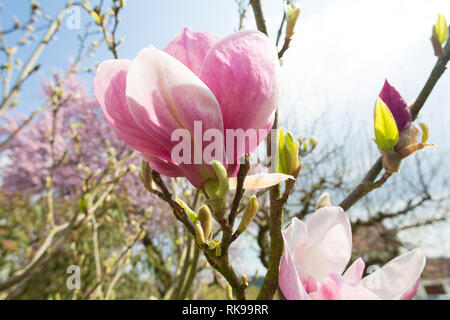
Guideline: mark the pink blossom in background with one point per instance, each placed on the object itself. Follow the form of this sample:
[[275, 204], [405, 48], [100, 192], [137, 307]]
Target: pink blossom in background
[[316, 255], [28, 155], [229, 83]]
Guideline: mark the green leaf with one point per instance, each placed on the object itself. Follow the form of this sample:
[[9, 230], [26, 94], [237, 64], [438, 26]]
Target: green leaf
[[191, 214], [440, 29], [386, 132], [291, 153]]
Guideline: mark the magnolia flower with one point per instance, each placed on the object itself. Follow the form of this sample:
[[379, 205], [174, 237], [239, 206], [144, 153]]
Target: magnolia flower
[[229, 83], [317, 253], [396, 134]]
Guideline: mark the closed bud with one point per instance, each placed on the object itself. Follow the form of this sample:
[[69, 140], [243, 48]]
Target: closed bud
[[244, 281], [291, 151], [97, 18], [292, 15], [324, 201], [146, 174], [312, 143], [218, 250], [249, 213], [440, 30], [15, 103], [204, 216], [288, 150], [83, 203], [199, 235], [229, 292], [48, 182]]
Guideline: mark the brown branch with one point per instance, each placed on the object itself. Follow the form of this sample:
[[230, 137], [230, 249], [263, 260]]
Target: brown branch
[[380, 216], [259, 16], [280, 29], [222, 262], [262, 242], [30, 66], [422, 223], [243, 170], [287, 42]]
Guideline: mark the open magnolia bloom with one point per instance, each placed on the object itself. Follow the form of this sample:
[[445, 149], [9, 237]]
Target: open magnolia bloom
[[317, 253], [199, 82]]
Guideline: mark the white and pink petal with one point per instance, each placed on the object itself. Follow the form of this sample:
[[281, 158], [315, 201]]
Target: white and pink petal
[[288, 279], [329, 243], [398, 278], [242, 70], [191, 47], [110, 88]]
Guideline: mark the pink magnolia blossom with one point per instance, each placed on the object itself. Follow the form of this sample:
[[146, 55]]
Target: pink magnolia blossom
[[229, 83], [317, 253]]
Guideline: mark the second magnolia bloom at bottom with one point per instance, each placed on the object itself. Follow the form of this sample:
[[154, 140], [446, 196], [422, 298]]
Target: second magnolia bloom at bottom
[[317, 253]]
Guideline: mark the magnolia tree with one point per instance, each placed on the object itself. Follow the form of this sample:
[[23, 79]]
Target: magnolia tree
[[189, 159]]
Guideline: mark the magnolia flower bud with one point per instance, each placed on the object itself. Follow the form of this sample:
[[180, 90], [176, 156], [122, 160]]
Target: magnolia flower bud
[[218, 250], [200, 236], [249, 213], [324, 201], [146, 174], [244, 281], [395, 133], [204, 216], [288, 149], [440, 29], [292, 15], [229, 292]]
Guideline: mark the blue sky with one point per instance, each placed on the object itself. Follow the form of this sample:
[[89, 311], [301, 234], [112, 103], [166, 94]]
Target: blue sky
[[143, 23], [341, 46], [341, 54]]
